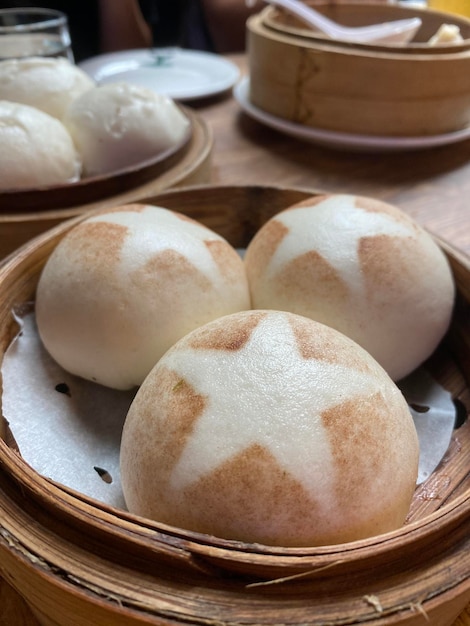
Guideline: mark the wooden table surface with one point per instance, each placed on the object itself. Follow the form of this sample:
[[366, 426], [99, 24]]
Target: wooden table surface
[[432, 185]]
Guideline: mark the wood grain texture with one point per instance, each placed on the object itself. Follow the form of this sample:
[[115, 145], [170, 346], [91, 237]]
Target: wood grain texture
[[464, 618], [13, 609]]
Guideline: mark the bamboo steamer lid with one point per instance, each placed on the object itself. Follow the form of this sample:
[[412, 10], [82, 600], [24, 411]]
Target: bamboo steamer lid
[[416, 90], [74, 559]]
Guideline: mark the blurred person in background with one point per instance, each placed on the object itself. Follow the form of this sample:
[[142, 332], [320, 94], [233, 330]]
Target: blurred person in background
[[214, 25]]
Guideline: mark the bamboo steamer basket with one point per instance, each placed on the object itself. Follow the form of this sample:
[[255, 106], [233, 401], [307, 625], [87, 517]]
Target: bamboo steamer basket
[[387, 90], [78, 562], [26, 214]]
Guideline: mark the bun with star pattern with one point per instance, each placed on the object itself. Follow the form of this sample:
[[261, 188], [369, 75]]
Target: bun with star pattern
[[125, 284], [269, 427], [361, 266]]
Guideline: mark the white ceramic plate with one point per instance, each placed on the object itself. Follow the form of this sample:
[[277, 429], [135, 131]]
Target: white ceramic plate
[[178, 73], [337, 140]]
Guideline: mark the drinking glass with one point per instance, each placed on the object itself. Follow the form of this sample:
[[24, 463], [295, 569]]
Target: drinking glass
[[34, 32]]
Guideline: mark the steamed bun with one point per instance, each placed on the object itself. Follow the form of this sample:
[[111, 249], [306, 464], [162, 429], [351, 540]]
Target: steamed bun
[[265, 426], [125, 284], [47, 84], [361, 266], [36, 149], [117, 125]]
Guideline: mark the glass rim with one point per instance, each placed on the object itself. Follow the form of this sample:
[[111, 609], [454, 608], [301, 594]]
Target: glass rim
[[46, 18]]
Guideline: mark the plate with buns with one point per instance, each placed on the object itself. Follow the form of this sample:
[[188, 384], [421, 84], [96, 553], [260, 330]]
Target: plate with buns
[[70, 142]]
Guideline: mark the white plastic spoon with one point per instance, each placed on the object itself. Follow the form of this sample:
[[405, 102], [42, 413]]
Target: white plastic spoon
[[398, 31]]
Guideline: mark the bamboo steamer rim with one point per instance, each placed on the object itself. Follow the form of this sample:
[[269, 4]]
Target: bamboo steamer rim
[[274, 19], [257, 24], [195, 553]]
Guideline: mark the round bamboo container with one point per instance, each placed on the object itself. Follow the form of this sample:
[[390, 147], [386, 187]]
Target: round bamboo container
[[29, 213], [413, 90], [77, 562]]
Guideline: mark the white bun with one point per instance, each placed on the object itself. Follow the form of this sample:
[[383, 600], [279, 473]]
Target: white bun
[[117, 125], [361, 266], [126, 284], [47, 84], [268, 427], [36, 149]]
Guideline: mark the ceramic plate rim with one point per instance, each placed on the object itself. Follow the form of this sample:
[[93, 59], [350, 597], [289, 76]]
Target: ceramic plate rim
[[340, 140], [206, 60]]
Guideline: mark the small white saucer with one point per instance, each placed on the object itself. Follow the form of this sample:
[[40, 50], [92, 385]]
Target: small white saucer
[[175, 72], [342, 141]]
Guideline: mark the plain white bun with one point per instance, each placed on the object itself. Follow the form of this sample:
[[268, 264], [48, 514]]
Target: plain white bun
[[268, 427], [47, 84], [117, 125], [361, 266], [124, 285], [36, 149]]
